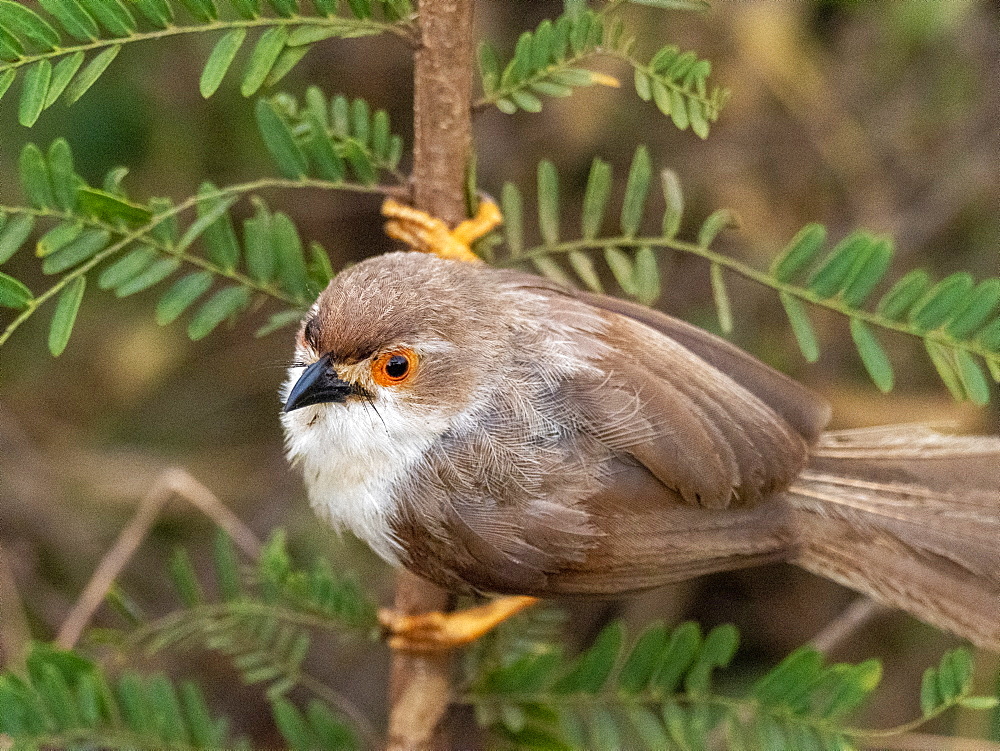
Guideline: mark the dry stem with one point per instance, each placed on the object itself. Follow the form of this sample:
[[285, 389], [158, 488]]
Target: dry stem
[[173, 482]]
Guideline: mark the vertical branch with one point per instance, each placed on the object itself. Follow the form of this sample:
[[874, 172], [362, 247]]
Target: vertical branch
[[442, 141]]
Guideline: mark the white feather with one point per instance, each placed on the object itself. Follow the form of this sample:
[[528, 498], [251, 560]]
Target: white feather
[[353, 455]]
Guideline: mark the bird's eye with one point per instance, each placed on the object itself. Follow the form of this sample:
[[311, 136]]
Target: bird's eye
[[393, 368]]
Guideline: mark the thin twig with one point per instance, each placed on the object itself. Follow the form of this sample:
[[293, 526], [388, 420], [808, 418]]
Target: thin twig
[[173, 482], [15, 636], [840, 629]]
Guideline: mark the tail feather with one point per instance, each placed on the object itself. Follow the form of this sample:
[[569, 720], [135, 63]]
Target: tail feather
[[910, 517]]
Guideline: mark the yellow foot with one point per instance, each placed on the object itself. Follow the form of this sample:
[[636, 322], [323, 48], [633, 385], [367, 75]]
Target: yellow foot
[[428, 234], [437, 632]]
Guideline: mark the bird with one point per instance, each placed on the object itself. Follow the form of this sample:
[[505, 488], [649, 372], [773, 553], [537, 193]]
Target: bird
[[496, 432]]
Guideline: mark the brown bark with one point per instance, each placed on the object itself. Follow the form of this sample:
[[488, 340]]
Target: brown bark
[[442, 140]]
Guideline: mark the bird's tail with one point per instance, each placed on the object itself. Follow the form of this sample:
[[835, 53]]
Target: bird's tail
[[911, 518]]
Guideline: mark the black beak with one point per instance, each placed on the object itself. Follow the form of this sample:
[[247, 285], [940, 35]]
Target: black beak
[[317, 385]]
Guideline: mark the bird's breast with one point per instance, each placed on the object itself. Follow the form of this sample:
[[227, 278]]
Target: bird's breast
[[353, 461]]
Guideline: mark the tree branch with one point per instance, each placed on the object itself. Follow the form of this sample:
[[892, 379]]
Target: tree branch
[[420, 689]]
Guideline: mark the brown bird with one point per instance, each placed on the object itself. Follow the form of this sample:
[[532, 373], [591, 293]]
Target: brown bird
[[496, 432]]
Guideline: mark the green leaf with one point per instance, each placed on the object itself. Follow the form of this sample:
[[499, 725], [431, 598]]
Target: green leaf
[[157, 12], [13, 294], [65, 315], [800, 251], [622, 269], [867, 273], [513, 219], [34, 92], [62, 74], [595, 199], [289, 257], [872, 355], [127, 267], [643, 85], [549, 267], [288, 59], [800, 668], [111, 208], [548, 202], [942, 302], [981, 304], [647, 276], [682, 648], [978, 703], [279, 141], [78, 23], [636, 190], [929, 697], [205, 220], [678, 110], [247, 9], [716, 650], [526, 100], [674, 200], [903, 294], [13, 235], [35, 177], [19, 21], [641, 664], [65, 182], [258, 242], [6, 79], [285, 8], [717, 221], [57, 238], [988, 337], [114, 15], [801, 326], [181, 295], [85, 246], [591, 670], [584, 268], [973, 379], [834, 273], [720, 295], [220, 306], [221, 246], [290, 723], [854, 683], [203, 10], [360, 163], [279, 321], [89, 75], [265, 54], [219, 61], [155, 273], [943, 360], [327, 162]]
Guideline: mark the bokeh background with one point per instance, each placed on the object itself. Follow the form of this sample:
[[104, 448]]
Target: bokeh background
[[881, 115]]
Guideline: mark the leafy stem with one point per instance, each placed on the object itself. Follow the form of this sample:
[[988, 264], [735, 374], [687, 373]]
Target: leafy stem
[[142, 232], [366, 27], [939, 336]]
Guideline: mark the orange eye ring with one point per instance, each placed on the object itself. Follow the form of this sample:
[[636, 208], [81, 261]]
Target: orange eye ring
[[394, 368]]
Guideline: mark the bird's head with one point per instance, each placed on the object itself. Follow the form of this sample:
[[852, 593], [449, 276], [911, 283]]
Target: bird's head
[[405, 337]]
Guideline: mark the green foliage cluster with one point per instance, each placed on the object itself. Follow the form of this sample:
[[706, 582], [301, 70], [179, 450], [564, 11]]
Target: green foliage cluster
[[956, 318], [33, 43], [657, 692], [546, 62]]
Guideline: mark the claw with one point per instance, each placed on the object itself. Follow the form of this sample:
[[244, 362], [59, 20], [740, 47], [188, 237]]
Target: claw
[[438, 632], [428, 234]]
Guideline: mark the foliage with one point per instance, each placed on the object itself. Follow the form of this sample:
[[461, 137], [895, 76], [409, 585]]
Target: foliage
[[547, 62], [658, 693], [956, 317], [32, 44]]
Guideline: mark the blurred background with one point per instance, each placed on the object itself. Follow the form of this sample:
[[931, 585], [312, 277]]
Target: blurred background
[[881, 115]]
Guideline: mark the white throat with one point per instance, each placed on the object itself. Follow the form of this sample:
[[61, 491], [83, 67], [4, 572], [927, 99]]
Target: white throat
[[353, 455]]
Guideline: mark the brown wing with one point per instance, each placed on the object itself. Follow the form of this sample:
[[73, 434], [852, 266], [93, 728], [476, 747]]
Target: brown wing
[[716, 437]]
